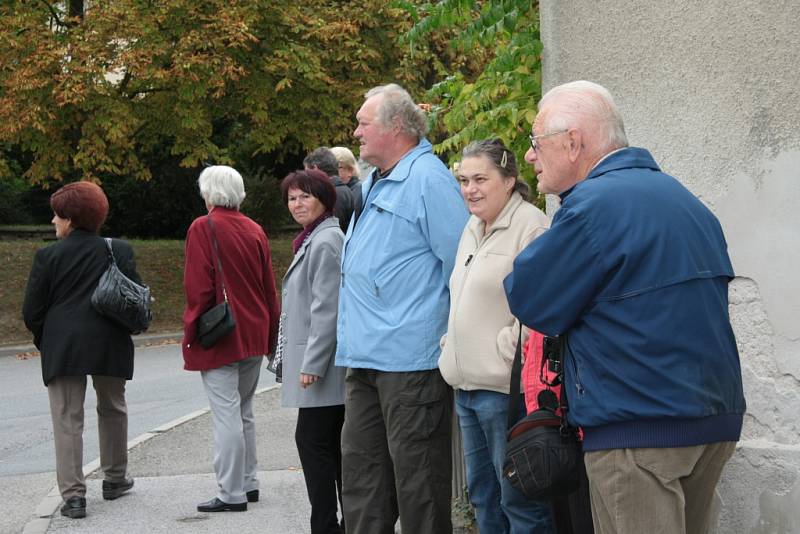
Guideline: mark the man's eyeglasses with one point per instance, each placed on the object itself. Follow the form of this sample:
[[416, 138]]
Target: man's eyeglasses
[[533, 138]]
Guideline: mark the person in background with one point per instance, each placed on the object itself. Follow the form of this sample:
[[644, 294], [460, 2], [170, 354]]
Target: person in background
[[481, 338], [323, 160], [307, 342], [634, 273], [348, 168], [75, 341], [230, 369], [393, 304]]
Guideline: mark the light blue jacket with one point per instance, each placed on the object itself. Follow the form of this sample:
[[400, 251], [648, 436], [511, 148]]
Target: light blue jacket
[[396, 263]]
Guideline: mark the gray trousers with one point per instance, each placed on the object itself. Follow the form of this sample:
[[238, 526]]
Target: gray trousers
[[230, 391], [396, 457], [658, 491], [67, 394]]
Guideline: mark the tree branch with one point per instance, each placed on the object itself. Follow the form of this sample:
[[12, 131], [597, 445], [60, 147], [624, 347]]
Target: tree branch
[[54, 14]]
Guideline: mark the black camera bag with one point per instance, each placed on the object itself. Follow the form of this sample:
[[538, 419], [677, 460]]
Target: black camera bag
[[543, 456]]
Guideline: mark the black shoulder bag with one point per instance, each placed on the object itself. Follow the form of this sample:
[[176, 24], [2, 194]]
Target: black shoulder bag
[[121, 299], [217, 322], [543, 455]]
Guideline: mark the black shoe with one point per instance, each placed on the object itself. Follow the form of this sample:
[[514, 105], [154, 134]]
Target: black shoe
[[112, 490], [74, 508], [216, 505], [252, 496]]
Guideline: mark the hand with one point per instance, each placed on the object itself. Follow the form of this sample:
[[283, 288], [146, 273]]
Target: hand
[[307, 380]]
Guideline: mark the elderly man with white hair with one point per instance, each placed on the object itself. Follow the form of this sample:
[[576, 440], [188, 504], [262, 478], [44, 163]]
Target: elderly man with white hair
[[634, 274]]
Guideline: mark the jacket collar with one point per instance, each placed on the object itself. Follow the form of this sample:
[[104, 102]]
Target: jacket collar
[[476, 226], [627, 158], [402, 168], [221, 211], [80, 233], [327, 223]]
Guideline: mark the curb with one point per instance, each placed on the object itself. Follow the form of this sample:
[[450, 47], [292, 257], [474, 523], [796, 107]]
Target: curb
[[141, 340], [49, 506]]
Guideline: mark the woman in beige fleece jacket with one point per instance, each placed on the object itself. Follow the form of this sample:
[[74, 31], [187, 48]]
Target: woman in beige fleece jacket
[[481, 338]]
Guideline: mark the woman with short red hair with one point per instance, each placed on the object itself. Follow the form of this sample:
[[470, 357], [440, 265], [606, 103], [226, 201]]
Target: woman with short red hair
[[75, 341]]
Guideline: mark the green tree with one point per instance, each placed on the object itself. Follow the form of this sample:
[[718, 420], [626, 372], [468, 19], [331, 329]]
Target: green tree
[[108, 90], [500, 99]]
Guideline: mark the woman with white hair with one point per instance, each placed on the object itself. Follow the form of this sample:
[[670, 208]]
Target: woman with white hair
[[348, 167], [228, 258]]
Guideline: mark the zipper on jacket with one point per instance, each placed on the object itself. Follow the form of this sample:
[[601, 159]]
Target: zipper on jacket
[[342, 278]]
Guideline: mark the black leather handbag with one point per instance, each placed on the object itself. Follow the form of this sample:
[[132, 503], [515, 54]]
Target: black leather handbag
[[543, 455], [217, 322], [120, 299]]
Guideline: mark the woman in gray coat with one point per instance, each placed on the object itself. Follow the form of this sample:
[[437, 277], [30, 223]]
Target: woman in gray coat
[[307, 342]]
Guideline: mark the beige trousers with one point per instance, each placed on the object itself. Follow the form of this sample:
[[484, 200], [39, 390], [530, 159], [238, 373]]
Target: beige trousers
[[67, 394], [657, 491]]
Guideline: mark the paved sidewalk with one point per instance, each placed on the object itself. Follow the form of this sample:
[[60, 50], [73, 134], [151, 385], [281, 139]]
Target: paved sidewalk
[[173, 473]]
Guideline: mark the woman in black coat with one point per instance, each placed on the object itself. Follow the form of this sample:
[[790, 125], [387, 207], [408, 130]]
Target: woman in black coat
[[75, 341]]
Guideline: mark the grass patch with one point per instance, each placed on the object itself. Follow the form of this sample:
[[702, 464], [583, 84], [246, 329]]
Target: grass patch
[[159, 262]]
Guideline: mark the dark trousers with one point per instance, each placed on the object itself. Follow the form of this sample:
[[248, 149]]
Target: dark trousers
[[396, 456], [318, 437], [573, 513]]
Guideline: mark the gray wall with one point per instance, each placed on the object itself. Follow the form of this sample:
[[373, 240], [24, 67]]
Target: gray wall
[[712, 88]]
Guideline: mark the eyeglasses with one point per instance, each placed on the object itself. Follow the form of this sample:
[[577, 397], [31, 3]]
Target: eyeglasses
[[533, 138]]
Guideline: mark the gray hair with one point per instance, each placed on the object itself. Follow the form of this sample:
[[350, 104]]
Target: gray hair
[[221, 185], [586, 103], [345, 157], [397, 105], [323, 159], [501, 158]]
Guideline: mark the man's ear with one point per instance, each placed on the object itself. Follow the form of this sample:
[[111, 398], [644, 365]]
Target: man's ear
[[575, 146], [397, 125]]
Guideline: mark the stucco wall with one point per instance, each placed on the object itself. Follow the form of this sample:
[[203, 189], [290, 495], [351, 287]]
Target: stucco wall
[[713, 90]]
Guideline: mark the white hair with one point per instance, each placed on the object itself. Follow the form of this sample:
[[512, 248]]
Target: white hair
[[221, 185], [397, 104], [583, 103], [345, 157]]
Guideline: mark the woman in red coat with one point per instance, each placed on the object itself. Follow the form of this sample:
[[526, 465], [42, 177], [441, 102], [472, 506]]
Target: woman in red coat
[[231, 367]]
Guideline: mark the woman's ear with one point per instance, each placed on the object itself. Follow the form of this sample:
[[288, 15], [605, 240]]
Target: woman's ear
[[512, 182]]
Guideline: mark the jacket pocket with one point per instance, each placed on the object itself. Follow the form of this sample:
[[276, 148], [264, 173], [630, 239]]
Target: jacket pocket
[[422, 406], [573, 363]]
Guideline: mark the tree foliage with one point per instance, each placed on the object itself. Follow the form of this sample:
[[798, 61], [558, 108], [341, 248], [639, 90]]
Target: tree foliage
[[114, 87], [498, 101]]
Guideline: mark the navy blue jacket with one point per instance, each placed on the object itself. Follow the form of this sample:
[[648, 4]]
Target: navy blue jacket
[[635, 272]]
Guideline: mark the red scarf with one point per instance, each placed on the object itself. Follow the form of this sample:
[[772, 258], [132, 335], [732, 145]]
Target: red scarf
[[301, 237]]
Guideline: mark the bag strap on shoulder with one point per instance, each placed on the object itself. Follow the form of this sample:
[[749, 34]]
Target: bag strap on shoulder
[[516, 378], [216, 255], [107, 241]]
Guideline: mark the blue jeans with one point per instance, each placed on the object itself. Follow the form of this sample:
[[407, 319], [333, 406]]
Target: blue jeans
[[499, 508]]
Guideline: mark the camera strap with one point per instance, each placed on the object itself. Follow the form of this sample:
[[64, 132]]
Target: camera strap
[[515, 395]]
